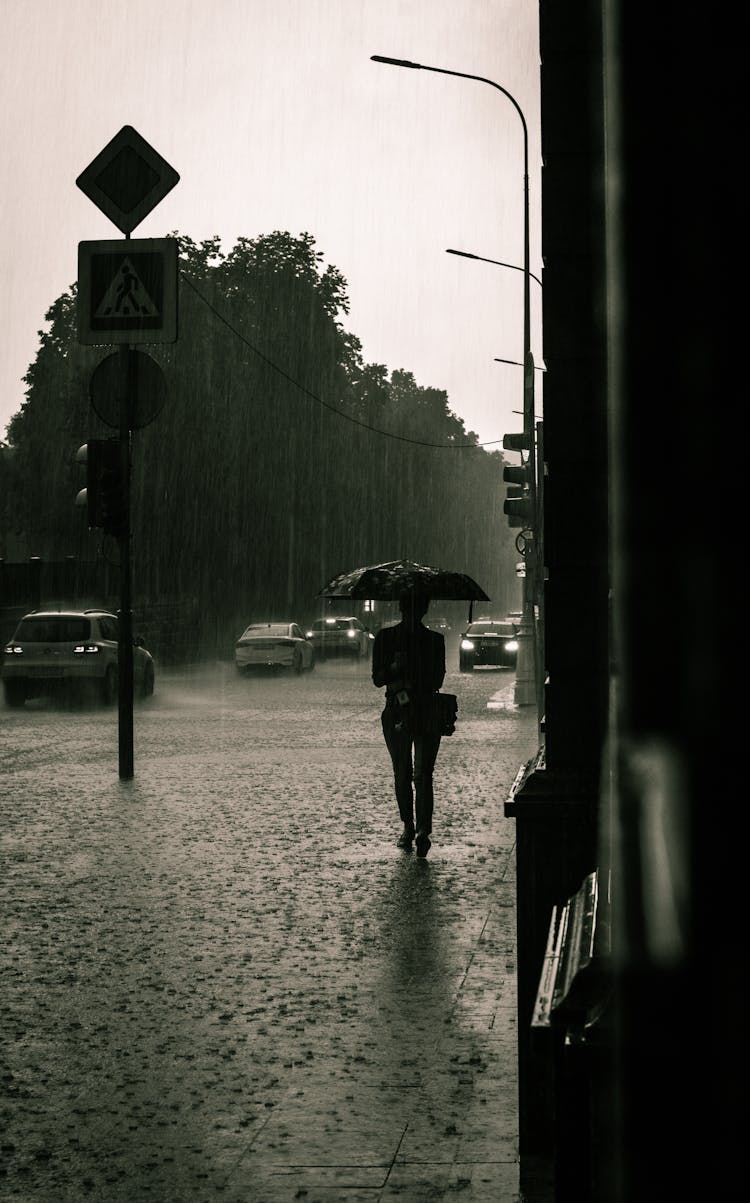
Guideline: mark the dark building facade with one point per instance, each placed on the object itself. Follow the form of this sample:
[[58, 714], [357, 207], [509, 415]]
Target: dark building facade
[[629, 897]]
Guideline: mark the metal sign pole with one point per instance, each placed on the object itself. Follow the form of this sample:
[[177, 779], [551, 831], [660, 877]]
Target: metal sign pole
[[540, 577], [525, 692], [127, 293], [125, 624]]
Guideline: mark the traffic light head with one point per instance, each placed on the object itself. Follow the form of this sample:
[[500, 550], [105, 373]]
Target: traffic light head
[[105, 495], [517, 474], [89, 455], [517, 442], [520, 511], [519, 502]]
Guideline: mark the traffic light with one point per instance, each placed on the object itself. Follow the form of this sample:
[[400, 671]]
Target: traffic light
[[105, 495], [89, 455], [520, 511], [519, 503], [517, 442], [517, 474]]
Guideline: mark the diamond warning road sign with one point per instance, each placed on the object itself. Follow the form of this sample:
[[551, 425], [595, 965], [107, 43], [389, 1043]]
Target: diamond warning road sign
[[127, 179], [127, 291]]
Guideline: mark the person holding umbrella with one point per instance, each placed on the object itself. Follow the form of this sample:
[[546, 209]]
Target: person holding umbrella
[[409, 660]]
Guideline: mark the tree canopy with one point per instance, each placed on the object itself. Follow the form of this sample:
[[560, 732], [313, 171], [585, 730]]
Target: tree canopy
[[280, 457]]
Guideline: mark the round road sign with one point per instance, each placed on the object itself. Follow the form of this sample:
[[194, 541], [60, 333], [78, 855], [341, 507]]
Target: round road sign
[[149, 384]]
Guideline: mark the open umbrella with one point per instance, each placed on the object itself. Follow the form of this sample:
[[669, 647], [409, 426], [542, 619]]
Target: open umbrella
[[387, 582]]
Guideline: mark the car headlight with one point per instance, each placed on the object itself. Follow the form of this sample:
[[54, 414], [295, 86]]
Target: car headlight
[[351, 634], [467, 645], [83, 648], [13, 650], [308, 634], [511, 645]]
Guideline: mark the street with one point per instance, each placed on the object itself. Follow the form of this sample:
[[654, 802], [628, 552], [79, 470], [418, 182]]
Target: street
[[223, 979]]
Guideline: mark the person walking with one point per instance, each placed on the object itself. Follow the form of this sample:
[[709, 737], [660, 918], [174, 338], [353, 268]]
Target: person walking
[[409, 660]]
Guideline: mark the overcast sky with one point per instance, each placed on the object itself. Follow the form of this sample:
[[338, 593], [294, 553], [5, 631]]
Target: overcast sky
[[276, 119]]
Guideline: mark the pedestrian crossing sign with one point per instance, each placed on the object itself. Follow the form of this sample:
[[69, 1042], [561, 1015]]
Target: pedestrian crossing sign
[[127, 291]]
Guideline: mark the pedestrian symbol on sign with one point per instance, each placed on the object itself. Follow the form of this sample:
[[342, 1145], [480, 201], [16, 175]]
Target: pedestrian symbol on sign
[[127, 291], [126, 296]]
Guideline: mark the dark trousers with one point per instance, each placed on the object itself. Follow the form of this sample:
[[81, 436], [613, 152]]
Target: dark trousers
[[413, 756]]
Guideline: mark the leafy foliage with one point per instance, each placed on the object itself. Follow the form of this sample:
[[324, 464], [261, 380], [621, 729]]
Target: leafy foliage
[[280, 457]]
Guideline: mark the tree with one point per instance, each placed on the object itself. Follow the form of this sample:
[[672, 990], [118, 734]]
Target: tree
[[280, 456]]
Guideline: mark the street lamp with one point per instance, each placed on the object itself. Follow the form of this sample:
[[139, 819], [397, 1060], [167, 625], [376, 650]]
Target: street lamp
[[514, 267], [517, 363], [498, 262], [525, 689]]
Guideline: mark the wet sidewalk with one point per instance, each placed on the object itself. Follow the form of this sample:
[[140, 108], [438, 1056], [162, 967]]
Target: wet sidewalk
[[254, 995], [408, 1089]]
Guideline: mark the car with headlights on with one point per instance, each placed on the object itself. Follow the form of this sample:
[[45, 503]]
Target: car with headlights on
[[274, 645], [439, 624], [341, 636], [488, 642], [51, 649]]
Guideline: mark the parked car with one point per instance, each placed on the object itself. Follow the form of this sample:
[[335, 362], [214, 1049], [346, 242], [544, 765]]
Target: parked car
[[51, 648], [488, 642], [273, 645], [335, 636]]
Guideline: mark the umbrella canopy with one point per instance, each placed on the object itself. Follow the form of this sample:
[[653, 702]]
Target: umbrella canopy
[[387, 582]]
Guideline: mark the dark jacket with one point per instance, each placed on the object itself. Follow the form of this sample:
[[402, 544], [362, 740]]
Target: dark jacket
[[422, 659]]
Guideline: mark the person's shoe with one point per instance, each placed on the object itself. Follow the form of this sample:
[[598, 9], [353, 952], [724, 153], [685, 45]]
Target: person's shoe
[[406, 838], [423, 844]]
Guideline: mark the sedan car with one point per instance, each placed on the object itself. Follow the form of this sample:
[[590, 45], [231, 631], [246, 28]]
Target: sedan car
[[336, 636], [51, 648], [273, 645], [488, 642]]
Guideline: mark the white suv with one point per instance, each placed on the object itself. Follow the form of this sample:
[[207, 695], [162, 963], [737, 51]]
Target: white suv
[[54, 646]]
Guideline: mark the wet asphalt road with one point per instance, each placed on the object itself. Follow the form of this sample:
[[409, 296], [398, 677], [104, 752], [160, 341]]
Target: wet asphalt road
[[223, 980]]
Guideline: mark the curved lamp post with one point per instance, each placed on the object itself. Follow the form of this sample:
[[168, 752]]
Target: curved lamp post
[[525, 691], [517, 363], [498, 262], [514, 267]]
